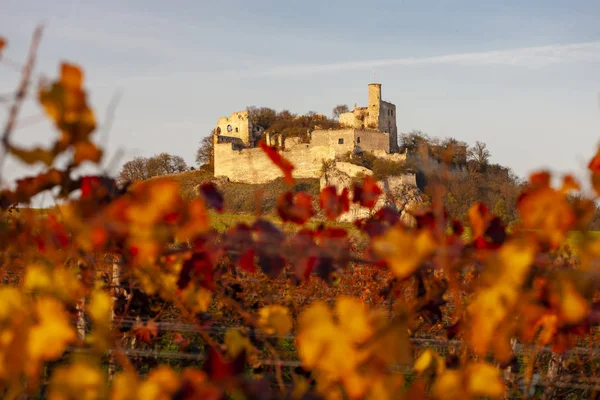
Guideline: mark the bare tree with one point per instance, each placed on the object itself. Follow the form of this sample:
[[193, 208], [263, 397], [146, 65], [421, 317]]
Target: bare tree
[[479, 155], [134, 170], [262, 116], [339, 109], [141, 168], [205, 155]]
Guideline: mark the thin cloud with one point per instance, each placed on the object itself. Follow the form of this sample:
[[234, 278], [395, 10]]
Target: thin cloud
[[526, 57]]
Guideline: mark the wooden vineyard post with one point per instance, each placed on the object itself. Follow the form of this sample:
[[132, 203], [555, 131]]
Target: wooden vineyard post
[[115, 281]]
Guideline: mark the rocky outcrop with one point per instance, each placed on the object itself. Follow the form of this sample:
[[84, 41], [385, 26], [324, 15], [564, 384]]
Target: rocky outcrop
[[399, 192]]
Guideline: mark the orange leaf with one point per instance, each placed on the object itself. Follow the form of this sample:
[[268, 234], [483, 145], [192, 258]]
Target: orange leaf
[[569, 183], [285, 166], [594, 166], [2, 44], [479, 217], [86, 151], [545, 210], [71, 76], [146, 332]]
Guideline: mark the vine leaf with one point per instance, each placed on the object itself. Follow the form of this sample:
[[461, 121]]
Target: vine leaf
[[145, 333], [296, 208], [283, 164], [333, 204], [367, 192]]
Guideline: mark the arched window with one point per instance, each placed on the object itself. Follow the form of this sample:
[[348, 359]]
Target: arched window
[[229, 128]]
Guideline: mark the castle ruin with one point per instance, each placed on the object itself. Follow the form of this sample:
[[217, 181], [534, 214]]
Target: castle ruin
[[237, 157]]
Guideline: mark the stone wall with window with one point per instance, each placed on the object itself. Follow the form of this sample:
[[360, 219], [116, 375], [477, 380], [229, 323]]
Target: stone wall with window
[[238, 125]]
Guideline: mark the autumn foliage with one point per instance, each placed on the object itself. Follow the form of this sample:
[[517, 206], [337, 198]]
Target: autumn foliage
[[62, 319]]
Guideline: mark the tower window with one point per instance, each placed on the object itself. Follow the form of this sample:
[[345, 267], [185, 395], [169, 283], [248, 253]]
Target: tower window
[[358, 140], [236, 129], [229, 128], [340, 141]]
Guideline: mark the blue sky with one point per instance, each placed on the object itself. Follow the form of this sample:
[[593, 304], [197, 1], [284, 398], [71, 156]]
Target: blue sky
[[522, 76]]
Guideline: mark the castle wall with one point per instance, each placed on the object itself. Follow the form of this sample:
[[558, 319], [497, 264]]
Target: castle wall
[[341, 141], [254, 166], [356, 118], [372, 141]]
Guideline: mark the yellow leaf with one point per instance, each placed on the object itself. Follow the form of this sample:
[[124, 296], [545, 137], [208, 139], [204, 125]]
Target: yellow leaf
[[404, 250], [11, 302], [162, 382], [573, 307], [316, 330], [429, 360], [333, 349], [49, 338], [124, 386], [485, 380], [37, 277], [275, 319], [449, 385], [353, 319], [236, 342], [492, 304], [100, 307], [78, 381]]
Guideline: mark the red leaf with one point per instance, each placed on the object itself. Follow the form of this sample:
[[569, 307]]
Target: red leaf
[[377, 224], [332, 204], [367, 192], [457, 228], [285, 166], [212, 196], [295, 208], [40, 243], [87, 185], [218, 367], [247, 261], [200, 267]]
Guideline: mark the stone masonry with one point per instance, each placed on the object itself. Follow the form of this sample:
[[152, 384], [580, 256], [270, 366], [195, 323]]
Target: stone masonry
[[237, 157]]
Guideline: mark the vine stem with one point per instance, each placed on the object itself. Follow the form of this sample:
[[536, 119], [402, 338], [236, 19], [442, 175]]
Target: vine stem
[[21, 92]]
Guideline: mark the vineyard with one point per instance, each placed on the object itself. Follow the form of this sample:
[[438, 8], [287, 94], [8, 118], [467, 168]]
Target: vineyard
[[138, 292]]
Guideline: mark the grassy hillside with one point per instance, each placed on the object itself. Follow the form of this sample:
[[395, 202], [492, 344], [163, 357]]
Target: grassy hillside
[[244, 198]]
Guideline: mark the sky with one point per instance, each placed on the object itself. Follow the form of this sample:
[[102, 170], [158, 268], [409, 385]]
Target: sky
[[521, 76]]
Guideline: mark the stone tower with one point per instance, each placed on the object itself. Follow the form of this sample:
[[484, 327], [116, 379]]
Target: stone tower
[[374, 106], [382, 115]]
